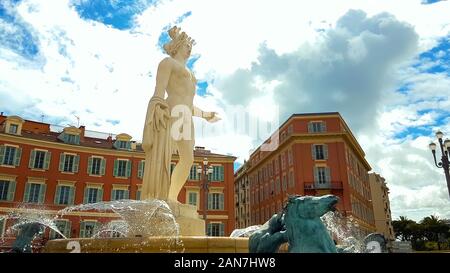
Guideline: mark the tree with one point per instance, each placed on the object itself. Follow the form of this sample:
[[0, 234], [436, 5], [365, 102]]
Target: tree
[[434, 229], [404, 228]]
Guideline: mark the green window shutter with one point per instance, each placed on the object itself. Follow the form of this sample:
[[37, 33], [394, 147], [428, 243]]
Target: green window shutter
[[67, 229], [82, 229], [32, 158], [141, 169], [11, 191], [310, 127], [316, 175], [71, 195], [138, 195], [325, 151], [126, 195], [221, 202], [42, 189], [209, 230], [209, 201], [323, 126], [61, 162], [89, 168], [221, 173], [100, 195], [57, 194], [113, 195], [48, 156], [76, 163], [2, 153], [116, 144], [328, 175], [77, 140], [17, 157], [221, 229], [102, 166], [26, 193], [86, 195], [129, 145], [116, 167], [129, 168], [62, 137], [313, 151]]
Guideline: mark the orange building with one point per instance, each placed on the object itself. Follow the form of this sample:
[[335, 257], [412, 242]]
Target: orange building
[[48, 168], [317, 154]]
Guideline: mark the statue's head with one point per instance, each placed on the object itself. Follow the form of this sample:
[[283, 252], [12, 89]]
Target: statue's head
[[311, 206], [180, 42]]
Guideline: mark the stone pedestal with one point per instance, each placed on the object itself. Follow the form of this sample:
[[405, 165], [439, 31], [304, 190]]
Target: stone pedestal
[[188, 219]]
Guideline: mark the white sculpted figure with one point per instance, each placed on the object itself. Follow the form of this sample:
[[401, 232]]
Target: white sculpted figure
[[168, 124]]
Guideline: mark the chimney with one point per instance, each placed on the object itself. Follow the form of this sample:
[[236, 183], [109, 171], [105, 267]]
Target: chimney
[[82, 128], [109, 139]]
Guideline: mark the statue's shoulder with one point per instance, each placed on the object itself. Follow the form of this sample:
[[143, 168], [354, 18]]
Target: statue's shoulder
[[167, 62]]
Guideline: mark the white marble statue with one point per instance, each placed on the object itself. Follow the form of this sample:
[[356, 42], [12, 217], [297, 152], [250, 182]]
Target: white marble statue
[[168, 124]]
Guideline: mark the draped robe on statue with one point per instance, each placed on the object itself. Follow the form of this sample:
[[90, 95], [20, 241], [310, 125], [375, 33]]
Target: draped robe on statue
[[157, 145]]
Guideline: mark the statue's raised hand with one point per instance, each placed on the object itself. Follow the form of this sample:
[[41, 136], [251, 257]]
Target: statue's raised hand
[[211, 117]]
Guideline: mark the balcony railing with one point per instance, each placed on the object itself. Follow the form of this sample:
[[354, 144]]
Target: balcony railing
[[334, 185]]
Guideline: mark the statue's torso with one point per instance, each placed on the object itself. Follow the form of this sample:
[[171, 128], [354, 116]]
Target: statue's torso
[[181, 86]]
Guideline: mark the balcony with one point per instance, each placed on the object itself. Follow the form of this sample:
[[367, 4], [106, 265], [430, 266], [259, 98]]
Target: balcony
[[334, 185]]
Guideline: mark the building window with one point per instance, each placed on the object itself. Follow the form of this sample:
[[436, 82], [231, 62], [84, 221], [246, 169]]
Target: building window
[[277, 186], [215, 201], [69, 138], [68, 163], [96, 166], [316, 127], [39, 159], [88, 229], [138, 195], [34, 193], [284, 183], [13, 129], [192, 198], [9, 154], [122, 144], [218, 174], [92, 195], [122, 168], [141, 167], [7, 190], [63, 227], [322, 175], [193, 175], [291, 179], [216, 229], [272, 187], [119, 194], [64, 195]]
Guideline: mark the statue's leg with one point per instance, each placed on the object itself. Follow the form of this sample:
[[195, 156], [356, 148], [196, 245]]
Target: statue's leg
[[182, 169]]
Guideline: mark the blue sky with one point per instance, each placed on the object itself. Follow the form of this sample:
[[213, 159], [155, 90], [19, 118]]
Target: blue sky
[[384, 67]]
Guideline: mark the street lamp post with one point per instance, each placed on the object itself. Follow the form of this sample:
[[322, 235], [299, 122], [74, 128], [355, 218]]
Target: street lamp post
[[205, 170], [445, 151]]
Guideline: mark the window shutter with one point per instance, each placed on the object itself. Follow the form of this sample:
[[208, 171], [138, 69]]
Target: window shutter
[[209, 230], [126, 195], [116, 144], [221, 202], [141, 169], [100, 195], [323, 126], [26, 193], [89, 168], [328, 175], [77, 140], [2, 153], [11, 191], [62, 137], [129, 145], [221, 173], [17, 156], [76, 163], [313, 151], [102, 166], [209, 201], [138, 195], [116, 166], [48, 156], [32, 157], [310, 127], [222, 229], [71, 195], [128, 168], [57, 194], [86, 195], [42, 189], [67, 229], [82, 229], [325, 151], [316, 175], [61, 162], [113, 195]]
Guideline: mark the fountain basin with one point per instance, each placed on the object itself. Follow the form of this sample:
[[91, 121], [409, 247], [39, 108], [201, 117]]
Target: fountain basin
[[184, 244]]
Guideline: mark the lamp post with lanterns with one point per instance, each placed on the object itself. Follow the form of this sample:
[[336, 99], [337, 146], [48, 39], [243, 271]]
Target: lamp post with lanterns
[[205, 170], [445, 151]]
